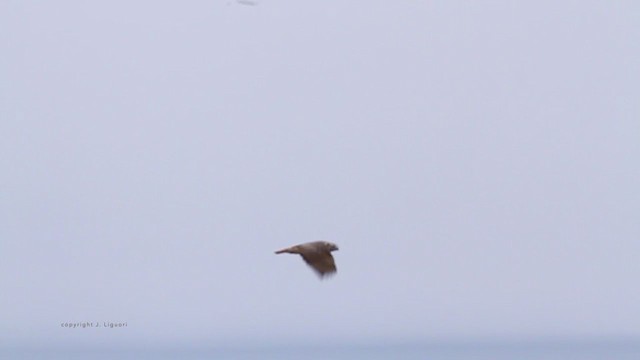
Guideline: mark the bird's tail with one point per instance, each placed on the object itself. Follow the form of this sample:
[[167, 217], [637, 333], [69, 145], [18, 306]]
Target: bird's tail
[[289, 250]]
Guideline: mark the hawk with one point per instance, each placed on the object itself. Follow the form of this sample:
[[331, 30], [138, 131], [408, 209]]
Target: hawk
[[316, 254]]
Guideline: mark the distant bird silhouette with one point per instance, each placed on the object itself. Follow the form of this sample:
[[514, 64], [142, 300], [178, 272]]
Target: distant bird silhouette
[[247, 2], [317, 254]]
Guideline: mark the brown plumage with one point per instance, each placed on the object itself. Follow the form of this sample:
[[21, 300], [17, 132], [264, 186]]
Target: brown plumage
[[317, 254]]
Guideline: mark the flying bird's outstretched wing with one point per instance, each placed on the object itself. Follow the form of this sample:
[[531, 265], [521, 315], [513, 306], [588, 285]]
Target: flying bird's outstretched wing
[[322, 263], [317, 255]]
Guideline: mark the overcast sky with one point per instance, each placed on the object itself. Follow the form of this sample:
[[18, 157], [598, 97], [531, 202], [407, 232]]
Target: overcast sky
[[476, 162]]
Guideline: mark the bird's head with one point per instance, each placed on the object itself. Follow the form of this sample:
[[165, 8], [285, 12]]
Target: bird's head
[[331, 246]]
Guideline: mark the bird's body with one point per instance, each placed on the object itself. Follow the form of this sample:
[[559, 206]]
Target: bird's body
[[316, 254]]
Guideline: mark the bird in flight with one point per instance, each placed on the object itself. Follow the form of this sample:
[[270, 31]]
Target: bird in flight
[[316, 254]]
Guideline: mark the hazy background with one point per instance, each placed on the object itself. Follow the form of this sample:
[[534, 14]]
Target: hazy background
[[476, 162]]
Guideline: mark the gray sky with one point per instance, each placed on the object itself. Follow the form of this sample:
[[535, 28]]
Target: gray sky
[[476, 162]]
